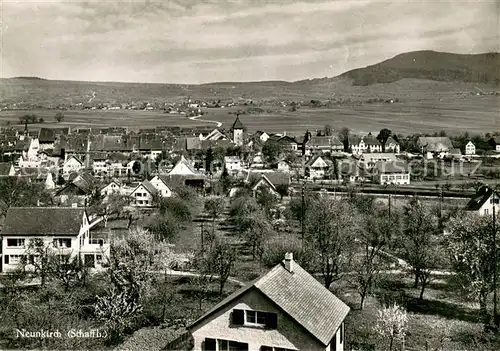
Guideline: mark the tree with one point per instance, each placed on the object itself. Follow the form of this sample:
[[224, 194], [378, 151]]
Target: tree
[[165, 227], [470, 243], [373, 237], [59, 117], [19, 192], [177, 207], [382, 137], [328, 130], [214, 207], [267, 200], [133, 263], [225, 181], [344, 137], [41, 120], [271, 151], [282, 190], [418, 245], [392, 325], [330, 227], [221, 262]]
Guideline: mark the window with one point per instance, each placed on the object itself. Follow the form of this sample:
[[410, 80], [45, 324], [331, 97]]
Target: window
[[62, 243], [255, 317], [15, 242], [272, 348], [486, 211], [15, 259], [228, 345], [6, 259]]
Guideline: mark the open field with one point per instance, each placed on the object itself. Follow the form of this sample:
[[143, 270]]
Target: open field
[[475, 114]]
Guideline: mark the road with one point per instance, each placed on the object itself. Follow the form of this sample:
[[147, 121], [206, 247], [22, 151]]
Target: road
[[195, 118]]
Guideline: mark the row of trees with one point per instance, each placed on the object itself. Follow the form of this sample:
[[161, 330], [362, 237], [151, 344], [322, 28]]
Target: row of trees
[[33, 119]]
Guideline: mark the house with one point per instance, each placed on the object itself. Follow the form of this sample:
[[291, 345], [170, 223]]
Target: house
[[322, 144], [143, 195], [271, 180], [50, 184], [161, 185], [283, 166], [64, 231], [455, 153], [215, 135], [232, 164], [113, 187], [183, 167], [261, 136], [48, 136], [435, 146], [495, 143], [391, 145], [288, 143], [78, 190], [369, 160], [318, 167], [470, 149], [393, 172], [284, 309], [72, 164], [7, 169], [238, 129], [485, 200]]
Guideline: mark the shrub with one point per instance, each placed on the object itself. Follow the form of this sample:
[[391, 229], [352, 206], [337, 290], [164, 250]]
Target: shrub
[[275, 249]]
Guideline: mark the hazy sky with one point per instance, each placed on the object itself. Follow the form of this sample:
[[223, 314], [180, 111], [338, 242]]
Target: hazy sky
[[196, 41]]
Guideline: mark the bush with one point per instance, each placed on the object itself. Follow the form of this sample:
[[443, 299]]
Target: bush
[[275, 249]]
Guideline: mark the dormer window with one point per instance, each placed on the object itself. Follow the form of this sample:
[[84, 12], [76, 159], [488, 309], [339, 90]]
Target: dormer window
[[256, 318], [251, 318]]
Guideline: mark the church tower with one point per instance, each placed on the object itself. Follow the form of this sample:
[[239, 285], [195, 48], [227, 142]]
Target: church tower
[[238, 131]]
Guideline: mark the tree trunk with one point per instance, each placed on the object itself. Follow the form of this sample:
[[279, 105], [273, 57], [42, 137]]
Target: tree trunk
[[362, 303], [417, 275], [482, 309]]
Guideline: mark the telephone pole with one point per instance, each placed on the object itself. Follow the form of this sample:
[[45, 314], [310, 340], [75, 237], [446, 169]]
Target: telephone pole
[[302, 214], [495, 312]]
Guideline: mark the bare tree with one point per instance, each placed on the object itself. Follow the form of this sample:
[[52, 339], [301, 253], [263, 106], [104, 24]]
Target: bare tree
[[330, 228]]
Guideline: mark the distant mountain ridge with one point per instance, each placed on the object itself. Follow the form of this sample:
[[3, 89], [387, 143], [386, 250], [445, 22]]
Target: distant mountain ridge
[[438, 66]]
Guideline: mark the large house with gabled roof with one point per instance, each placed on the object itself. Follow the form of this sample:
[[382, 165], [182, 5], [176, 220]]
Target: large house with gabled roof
[[143, 194], [484, 201], [65, 231], [284, 309]]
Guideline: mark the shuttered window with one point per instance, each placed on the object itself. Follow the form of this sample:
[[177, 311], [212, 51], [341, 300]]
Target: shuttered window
[[238, 317], [210, 344]]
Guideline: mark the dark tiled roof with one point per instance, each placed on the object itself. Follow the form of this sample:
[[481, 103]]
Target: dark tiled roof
[[435, 144], [237, 124], [300, 296], [49, 135], [371, 140], [5, 168], [392, 167], [193, 143], [478, 200], [276, 178], [315, 157], [43, 221]]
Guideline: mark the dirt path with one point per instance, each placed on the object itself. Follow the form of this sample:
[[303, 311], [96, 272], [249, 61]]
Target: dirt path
[[195, 118]]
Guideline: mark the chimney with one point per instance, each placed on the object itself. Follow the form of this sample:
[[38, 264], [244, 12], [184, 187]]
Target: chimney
[[289, 262]]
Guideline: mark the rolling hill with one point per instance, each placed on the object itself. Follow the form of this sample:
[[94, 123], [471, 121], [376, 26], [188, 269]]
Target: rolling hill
[[415, 75], [438, 66]]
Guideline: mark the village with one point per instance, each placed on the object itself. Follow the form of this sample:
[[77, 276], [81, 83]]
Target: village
[[78, 194]]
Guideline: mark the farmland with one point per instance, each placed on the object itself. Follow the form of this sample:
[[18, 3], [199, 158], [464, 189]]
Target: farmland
[[423, 106], [475, 114]]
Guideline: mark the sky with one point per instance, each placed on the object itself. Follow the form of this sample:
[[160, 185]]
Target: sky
[[199, 41]]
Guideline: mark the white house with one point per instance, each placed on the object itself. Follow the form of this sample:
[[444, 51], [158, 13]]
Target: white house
[[49, 182], [142, 195], [317, 167], [483, 203], [113, 187], [283, 166], [161, 185], [232, 164], [72, 165], [183, 167], [391, 145], [64, 231], [432, 147], [285, 309], [394, 172], [470, 149], [369, 160]]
